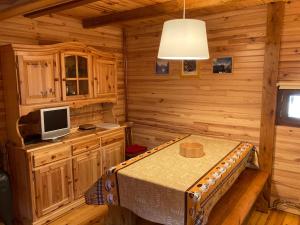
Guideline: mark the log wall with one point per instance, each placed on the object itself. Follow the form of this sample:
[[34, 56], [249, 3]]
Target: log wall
[[225, 105]]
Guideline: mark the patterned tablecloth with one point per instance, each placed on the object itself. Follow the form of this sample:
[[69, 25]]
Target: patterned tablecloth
[[164, 187]]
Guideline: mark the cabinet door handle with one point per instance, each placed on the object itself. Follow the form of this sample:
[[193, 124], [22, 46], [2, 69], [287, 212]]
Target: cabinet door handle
[[56, 79], [64, 79]]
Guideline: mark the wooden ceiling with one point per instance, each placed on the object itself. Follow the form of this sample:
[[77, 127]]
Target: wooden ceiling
[[105, 7], [95, 13]]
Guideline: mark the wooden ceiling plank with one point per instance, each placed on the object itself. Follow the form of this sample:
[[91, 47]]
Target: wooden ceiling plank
[[170, 8], [29, 6], [58, 8], [143, 12]]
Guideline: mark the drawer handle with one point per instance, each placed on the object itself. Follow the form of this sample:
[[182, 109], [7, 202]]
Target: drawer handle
[[53, 156]]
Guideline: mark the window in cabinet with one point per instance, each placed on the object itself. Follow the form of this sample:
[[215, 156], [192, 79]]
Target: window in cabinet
[[76, 76]]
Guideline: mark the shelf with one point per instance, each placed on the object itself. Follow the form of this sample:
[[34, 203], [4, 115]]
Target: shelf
[[25, 109]]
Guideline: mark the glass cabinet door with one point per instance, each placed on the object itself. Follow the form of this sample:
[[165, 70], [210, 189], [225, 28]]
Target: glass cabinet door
[[70, 66], [76, 75], [82, 67]]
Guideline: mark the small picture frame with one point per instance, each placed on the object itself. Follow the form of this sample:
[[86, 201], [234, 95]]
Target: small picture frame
[[189, 68], [222, 65], [162, 67]]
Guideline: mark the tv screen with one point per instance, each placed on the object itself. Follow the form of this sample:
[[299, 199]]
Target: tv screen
[[55, 119], [55, 122]]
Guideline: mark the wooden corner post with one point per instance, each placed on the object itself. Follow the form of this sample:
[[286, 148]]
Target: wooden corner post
[[275, 16]]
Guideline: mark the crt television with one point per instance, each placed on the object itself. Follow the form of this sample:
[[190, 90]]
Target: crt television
[[55, 122]]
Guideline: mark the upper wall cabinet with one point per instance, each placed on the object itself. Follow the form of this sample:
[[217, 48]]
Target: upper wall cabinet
[[76, 75], [39, 78], [105, 77], [62, 74]]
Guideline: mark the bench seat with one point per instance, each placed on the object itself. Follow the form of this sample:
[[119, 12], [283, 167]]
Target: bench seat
[[234, 207]]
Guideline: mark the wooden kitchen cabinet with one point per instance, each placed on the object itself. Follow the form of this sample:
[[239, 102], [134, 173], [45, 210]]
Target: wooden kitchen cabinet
[[53, 186], [39, 78], [87, 168], [112, 155], [105, 77], [51, 178]]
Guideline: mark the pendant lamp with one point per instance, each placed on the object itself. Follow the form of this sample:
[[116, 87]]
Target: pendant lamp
[[183, 39]]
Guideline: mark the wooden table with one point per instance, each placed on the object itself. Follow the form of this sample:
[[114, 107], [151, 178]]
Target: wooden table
[[164, 187]]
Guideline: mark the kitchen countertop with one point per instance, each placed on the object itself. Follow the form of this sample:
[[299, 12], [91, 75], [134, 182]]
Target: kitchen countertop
[[75, 135]]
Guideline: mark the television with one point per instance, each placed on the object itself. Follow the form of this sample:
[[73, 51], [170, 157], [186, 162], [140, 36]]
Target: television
[[55, 122]]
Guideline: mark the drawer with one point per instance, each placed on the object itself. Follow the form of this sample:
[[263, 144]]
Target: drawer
[[50, 155], [86, 145], [112, 138]]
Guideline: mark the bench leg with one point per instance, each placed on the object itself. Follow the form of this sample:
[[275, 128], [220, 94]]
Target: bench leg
[[262, 204]]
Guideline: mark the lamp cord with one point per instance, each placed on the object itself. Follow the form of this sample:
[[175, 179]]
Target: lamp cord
[[183, 9]]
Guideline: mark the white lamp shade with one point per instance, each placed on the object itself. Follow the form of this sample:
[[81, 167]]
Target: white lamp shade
[[183, 39]]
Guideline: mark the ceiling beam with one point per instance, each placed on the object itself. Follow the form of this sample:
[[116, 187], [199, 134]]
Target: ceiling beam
[[58, 8], [169, 7], [29, 6]]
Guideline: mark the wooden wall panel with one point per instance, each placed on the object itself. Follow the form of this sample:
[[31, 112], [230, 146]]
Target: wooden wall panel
[[219, 105], [286, 170], [53, 29]]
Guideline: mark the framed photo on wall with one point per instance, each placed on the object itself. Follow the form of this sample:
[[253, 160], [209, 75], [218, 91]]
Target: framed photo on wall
[[222, 65], [189, 68], [162, 67]]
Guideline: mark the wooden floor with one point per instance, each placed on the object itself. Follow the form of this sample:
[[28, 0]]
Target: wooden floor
[[274, 217], [93, 215], [87, 216]]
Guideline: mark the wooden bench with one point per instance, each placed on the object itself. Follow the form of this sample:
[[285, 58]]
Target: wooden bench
[[234, 207]]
